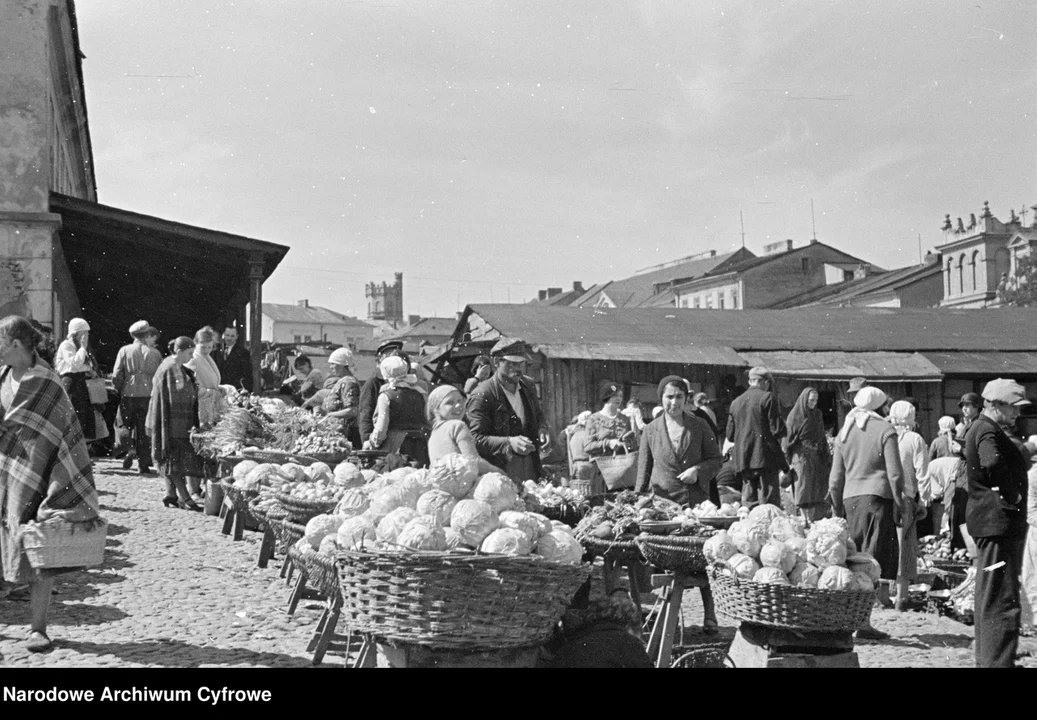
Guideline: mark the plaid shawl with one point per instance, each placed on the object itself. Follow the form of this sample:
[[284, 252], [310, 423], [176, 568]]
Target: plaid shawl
[[45, 468], [173, 410]]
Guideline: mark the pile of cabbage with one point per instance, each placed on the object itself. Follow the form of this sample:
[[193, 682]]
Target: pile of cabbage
[[317, 482], [448, 506], [708, 510], [769, 546]]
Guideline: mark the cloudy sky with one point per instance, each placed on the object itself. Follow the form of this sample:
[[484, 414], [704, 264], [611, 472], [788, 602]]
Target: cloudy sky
[[489, 149]]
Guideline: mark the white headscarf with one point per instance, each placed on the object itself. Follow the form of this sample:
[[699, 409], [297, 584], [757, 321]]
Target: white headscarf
[[77, 325], [902, 415], [394, 372], [866, 402]]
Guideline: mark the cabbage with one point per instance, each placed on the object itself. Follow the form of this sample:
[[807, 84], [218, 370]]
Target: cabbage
[[830, 526], [368, 474], [348, 475], [798, 545], [328, 546], [437, 504], [561, 547], [743, 565], [864, 563], [496, 490], [454, 473], [352, 503], [356, 533], [804, 575], [296, 472], [243, 468], [765, 514], [835, 577], [719, 547], [264, 474], [320, 471], [388, 499], [776, 554], [423, 533], [399, 474], [863, 581], [782, 528], [320, 527], [727, 510], [522, 522], [392, 524], [559, 525], [453, 539], [771, 576], [824, 550], [544, 526], [473, 520], [748, 539], [507, 541]]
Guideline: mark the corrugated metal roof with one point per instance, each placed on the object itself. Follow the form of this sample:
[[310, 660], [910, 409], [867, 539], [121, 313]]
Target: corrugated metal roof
[[816, 328], [1005, 364], [685, 354], [829, 365]]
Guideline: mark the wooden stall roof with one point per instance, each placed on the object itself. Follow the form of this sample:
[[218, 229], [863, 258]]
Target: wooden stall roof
[[835, 365]]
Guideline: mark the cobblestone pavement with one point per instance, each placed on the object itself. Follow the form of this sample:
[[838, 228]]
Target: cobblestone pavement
[[175, 592]]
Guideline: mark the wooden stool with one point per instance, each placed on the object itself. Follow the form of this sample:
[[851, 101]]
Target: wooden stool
[[660, 642], [611, 572], [232, 517], [761, 646], [267, 546], [301, 592], [325, 638]]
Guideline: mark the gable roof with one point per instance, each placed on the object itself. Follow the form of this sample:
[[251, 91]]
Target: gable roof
[[310, 314], [855, 289], [426, 326]]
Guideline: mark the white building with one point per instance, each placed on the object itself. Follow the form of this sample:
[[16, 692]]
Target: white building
[[303, 323]]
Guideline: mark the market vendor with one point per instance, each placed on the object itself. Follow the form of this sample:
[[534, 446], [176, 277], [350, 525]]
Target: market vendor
[[608, 430], [505, 416], [369, 390], [399, 419], [340, 396]]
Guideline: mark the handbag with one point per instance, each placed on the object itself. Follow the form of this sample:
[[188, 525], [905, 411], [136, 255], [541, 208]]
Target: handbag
[[97, 390], [618, 470]]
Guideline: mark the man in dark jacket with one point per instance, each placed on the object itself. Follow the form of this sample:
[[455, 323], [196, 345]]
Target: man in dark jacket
[[234, 361], [505, 417], [996, 519], [369, 390], [756, 427]]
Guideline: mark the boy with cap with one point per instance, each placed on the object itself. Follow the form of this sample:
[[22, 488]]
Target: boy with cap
[[135, 366], [996, 518], [756, 427]]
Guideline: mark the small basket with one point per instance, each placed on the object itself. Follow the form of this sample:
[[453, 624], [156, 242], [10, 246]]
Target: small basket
[[674, 553], [789, 607], [566, 513], [620, 552], [331, 459], [456, 601], [721, 522], [56, 543], [704, 655], [302, 511]]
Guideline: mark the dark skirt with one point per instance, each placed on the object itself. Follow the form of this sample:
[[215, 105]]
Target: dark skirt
[[75, 387], [182, 460], [870, 521]]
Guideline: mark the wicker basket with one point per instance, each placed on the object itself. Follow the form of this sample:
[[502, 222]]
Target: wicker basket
[[331, 459], [321, 571], [675, 553], [278, 457], [456, 601], [287, 532], [719, 522], [568, 514], [301, 510], [704, 655], [621, 552], [784, 606], [59, 544], [240, 498]]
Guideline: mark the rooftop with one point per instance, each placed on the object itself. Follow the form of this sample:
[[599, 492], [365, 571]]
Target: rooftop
[[310, 314], [884, 281]]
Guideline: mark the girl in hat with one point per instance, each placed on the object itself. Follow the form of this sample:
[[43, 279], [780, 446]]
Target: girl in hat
[[608, 430], [445, 413]]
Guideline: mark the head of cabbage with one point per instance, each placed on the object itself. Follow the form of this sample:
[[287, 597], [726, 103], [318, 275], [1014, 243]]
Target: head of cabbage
[[422, 533], [328, 546], [824, 550], [320, 527], [395, 496], [496, 490], [320, 471], [437, 504], [765, 513], [352, 503], [778, 555], [560, 547], [390, 526], [719, 547], [748, 538], [473, 520], [830, 526], [836, 577], [770, 575], [743, 566], [357, 533], [506, 541], [804, 575], [454, 473], [865, 563], [348, 475], [783, 528], [522, 522]]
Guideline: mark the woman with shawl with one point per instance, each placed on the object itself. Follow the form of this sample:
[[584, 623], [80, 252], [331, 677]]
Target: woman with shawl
[[866, 486], [806, 448], [914, 460], [450, 433], [45, 468], [172, 414], [399, 418]]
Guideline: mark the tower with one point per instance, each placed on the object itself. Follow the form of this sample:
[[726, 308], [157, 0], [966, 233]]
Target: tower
[[385, 302]]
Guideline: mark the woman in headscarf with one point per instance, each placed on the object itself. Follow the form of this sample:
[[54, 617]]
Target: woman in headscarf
[[45, 468], [944, 444], [450, 434], [340, 396], [914, 461], [866, 487], [74, 363], [171, 415], [584, 475], [806, 449], [399, 423]]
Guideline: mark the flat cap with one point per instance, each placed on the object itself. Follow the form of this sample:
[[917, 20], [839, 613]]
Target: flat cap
[[142, 327], [511, 349], [1005, 391], [761, 372], [857, 383], [390, 345]]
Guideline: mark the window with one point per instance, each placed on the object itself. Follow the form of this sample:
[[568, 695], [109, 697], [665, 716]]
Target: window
[[709, 301], [306, 338], [806, 264], [949, 264], [720, 300], [975, 262], [961, 274], [847, 275], [698, 302], [684, 302], [298, 339], [734, 299]]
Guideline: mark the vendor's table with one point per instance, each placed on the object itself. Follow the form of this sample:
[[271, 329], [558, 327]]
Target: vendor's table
[[760, 646], [660, 642], [612, 570]]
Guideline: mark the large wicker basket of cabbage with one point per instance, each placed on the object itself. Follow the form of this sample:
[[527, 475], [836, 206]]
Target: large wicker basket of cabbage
[[768, 569], [449, 558]]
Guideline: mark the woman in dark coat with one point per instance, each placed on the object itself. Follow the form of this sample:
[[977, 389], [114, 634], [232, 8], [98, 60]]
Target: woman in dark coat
[[806, 448], [172, 413]]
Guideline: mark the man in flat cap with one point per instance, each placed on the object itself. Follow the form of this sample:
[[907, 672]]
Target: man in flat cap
[[135, 366], [369, 391], [756, 428], [505, 416], [996, 519]]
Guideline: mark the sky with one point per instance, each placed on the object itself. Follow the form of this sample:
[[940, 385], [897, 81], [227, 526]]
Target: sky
[[487, 150]]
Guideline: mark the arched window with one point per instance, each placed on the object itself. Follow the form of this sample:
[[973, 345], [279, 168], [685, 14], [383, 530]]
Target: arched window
[[950, 263], [961, 274], [975, 271]]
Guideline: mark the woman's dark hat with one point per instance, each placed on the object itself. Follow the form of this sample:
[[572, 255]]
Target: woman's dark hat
[[608, 390], [972, 399]]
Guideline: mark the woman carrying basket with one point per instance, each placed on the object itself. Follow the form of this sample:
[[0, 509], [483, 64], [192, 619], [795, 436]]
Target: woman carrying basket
[[45, 468]]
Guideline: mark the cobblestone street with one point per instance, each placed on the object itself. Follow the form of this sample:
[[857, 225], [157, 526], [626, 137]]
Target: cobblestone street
[[175, 592]]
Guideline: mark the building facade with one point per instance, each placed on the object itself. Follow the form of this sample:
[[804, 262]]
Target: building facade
[[385, 302], [304, 323]]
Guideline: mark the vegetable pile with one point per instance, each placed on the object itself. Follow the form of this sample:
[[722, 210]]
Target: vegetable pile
[[545, 495], [938, 547], [620, 519]]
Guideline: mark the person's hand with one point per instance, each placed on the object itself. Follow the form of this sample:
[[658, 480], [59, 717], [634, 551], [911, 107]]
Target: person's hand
[[921, 511], [689, 476], [545, 439], [521, 445], [901, 510]]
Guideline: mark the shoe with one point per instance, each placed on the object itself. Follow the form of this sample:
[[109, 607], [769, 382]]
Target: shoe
[[870, 633], [170, 502], [197, 499], [710, 628], [188, 505], [146, 471], [38, 642], [127, 462]]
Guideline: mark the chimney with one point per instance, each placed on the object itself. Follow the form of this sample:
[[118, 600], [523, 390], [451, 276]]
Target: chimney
[[304, 303], [551, 292], [542, 295], [778, 247], [413, 319], [578, 286]]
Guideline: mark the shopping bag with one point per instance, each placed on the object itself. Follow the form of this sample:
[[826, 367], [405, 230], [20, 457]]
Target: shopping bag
[[618, 470], [97, 390]]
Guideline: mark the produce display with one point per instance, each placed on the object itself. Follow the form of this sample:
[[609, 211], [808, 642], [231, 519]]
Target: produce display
[[963, 598], [545, 495], [768, 546], [620, 519], [938, 547], [706, 509]]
